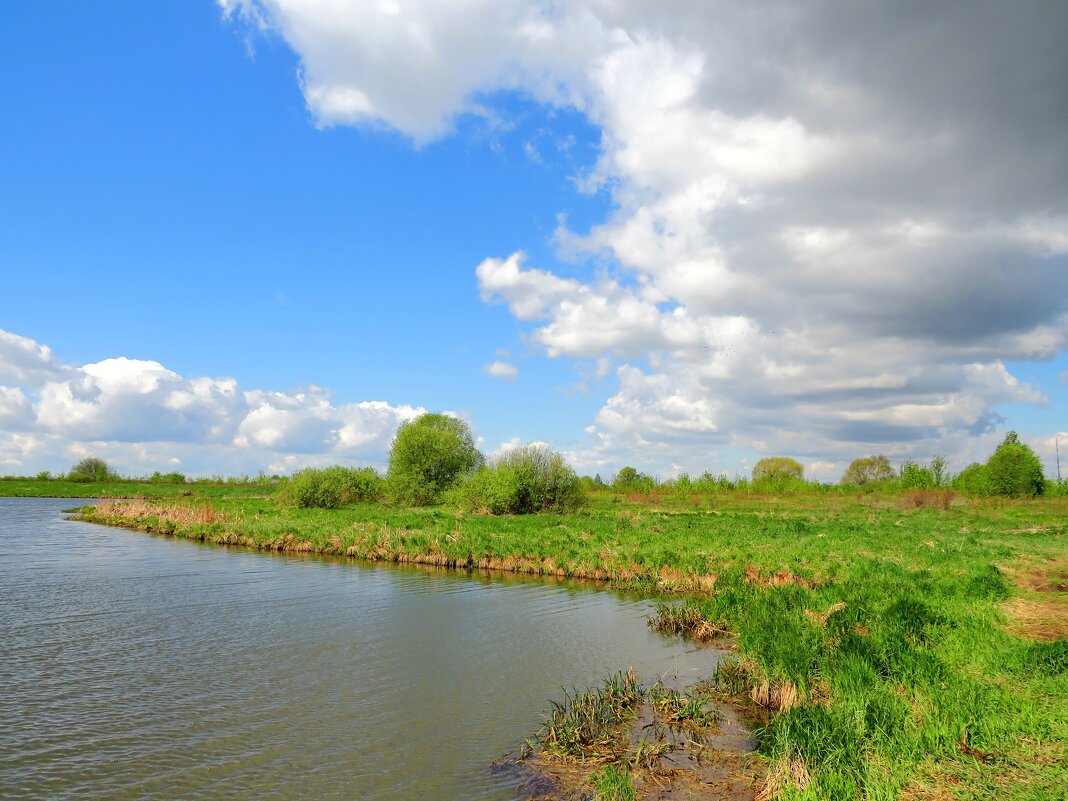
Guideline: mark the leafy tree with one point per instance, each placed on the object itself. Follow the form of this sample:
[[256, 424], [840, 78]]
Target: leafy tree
[[1014, 470], [868, 470], [429, 455], [778, 467], [91, 469]]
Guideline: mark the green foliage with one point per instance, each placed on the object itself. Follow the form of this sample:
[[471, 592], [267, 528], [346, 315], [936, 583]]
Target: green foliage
[[429, 455], [916, 476], [628, 478], [167, 478], [331, 487], [778, 467], [522, 481], [973, 480], [1014, 470], [91, 469], [613, 784], [869, 470], [44, 475]]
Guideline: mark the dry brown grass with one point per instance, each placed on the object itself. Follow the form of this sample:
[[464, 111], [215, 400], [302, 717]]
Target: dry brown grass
[[1045, 620], [820, 618], [932, 498], [777, 579], [1043, 615], [183, 513], [789, 774]]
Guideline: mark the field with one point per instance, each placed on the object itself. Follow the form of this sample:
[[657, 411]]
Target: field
[[907, 646]]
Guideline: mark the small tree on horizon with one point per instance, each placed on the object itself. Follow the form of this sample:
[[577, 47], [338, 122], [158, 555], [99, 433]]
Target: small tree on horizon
[[778, 467], [868, 470], [91, 468]]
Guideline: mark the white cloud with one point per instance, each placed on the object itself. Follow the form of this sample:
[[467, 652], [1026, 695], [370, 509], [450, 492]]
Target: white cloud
[[814, 248], [145, 416], [500, 369]]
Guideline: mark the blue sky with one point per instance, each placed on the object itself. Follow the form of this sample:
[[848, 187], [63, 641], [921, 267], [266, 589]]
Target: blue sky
[[176, 190]]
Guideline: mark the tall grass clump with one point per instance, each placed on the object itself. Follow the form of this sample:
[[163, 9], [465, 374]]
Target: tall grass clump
[[586, 725], [613, 784], [331, 487], [522, 481]]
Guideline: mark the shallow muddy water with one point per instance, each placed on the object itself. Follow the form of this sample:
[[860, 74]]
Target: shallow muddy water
[[140, 667]]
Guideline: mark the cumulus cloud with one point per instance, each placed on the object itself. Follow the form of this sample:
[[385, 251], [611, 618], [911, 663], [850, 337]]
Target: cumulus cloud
[[145, 417], [833, 224], [501, 369]]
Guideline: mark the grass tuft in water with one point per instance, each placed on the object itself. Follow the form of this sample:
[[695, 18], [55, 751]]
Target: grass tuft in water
[[585, 725]]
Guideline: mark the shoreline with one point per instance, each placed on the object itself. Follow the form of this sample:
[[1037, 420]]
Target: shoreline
[[899, 651]]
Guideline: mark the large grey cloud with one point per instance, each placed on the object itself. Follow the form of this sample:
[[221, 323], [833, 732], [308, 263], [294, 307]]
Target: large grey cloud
[[833, 222]]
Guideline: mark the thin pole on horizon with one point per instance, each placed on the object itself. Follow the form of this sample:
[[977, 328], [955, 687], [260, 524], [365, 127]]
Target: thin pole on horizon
[[1057, 448]]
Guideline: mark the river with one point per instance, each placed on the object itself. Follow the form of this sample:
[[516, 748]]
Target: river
[[141, 667]]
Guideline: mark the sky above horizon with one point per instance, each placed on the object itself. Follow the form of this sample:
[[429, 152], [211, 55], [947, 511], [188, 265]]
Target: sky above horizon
[[260, 234]]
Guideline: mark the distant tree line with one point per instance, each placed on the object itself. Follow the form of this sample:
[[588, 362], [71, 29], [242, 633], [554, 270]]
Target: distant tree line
[[434, 459]]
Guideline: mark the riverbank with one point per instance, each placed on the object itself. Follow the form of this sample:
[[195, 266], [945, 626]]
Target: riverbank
[[906, 651]]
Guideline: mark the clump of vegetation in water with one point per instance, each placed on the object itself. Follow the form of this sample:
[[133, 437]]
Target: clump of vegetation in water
[[525, 480], [586, 725], [677, 707], [428, 456], [331, 487]]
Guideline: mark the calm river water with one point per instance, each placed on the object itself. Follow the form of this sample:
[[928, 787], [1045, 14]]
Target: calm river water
[[138, 667]]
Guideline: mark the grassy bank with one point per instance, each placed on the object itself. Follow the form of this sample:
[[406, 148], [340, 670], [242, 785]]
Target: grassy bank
[[131, 488], [910, 647]]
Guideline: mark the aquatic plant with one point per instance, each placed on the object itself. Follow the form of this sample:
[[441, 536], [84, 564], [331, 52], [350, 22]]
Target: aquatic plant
[[585, 725]]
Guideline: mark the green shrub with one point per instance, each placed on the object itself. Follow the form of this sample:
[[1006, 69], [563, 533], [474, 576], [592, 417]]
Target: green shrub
[[429, 455], [522, 481], [1014, 470], [332, 487], [973, 480], [167, 478]]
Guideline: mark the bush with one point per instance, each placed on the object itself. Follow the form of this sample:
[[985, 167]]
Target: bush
[[916, 476], [167, 478], [429, 455], [332, 487], [91, 469], [628, 478], [1014, 470], [868, 470], [973, 480], [522, 481], [778, 467]]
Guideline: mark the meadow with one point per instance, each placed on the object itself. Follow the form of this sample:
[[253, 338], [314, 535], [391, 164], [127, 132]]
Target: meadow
[[902, 644]]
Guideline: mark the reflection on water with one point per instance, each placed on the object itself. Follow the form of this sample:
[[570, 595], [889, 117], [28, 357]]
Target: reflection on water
[[137, 667]]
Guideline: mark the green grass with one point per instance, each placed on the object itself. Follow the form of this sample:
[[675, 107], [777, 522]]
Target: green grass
[[613, 784], [883, 633], [59, 488]]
